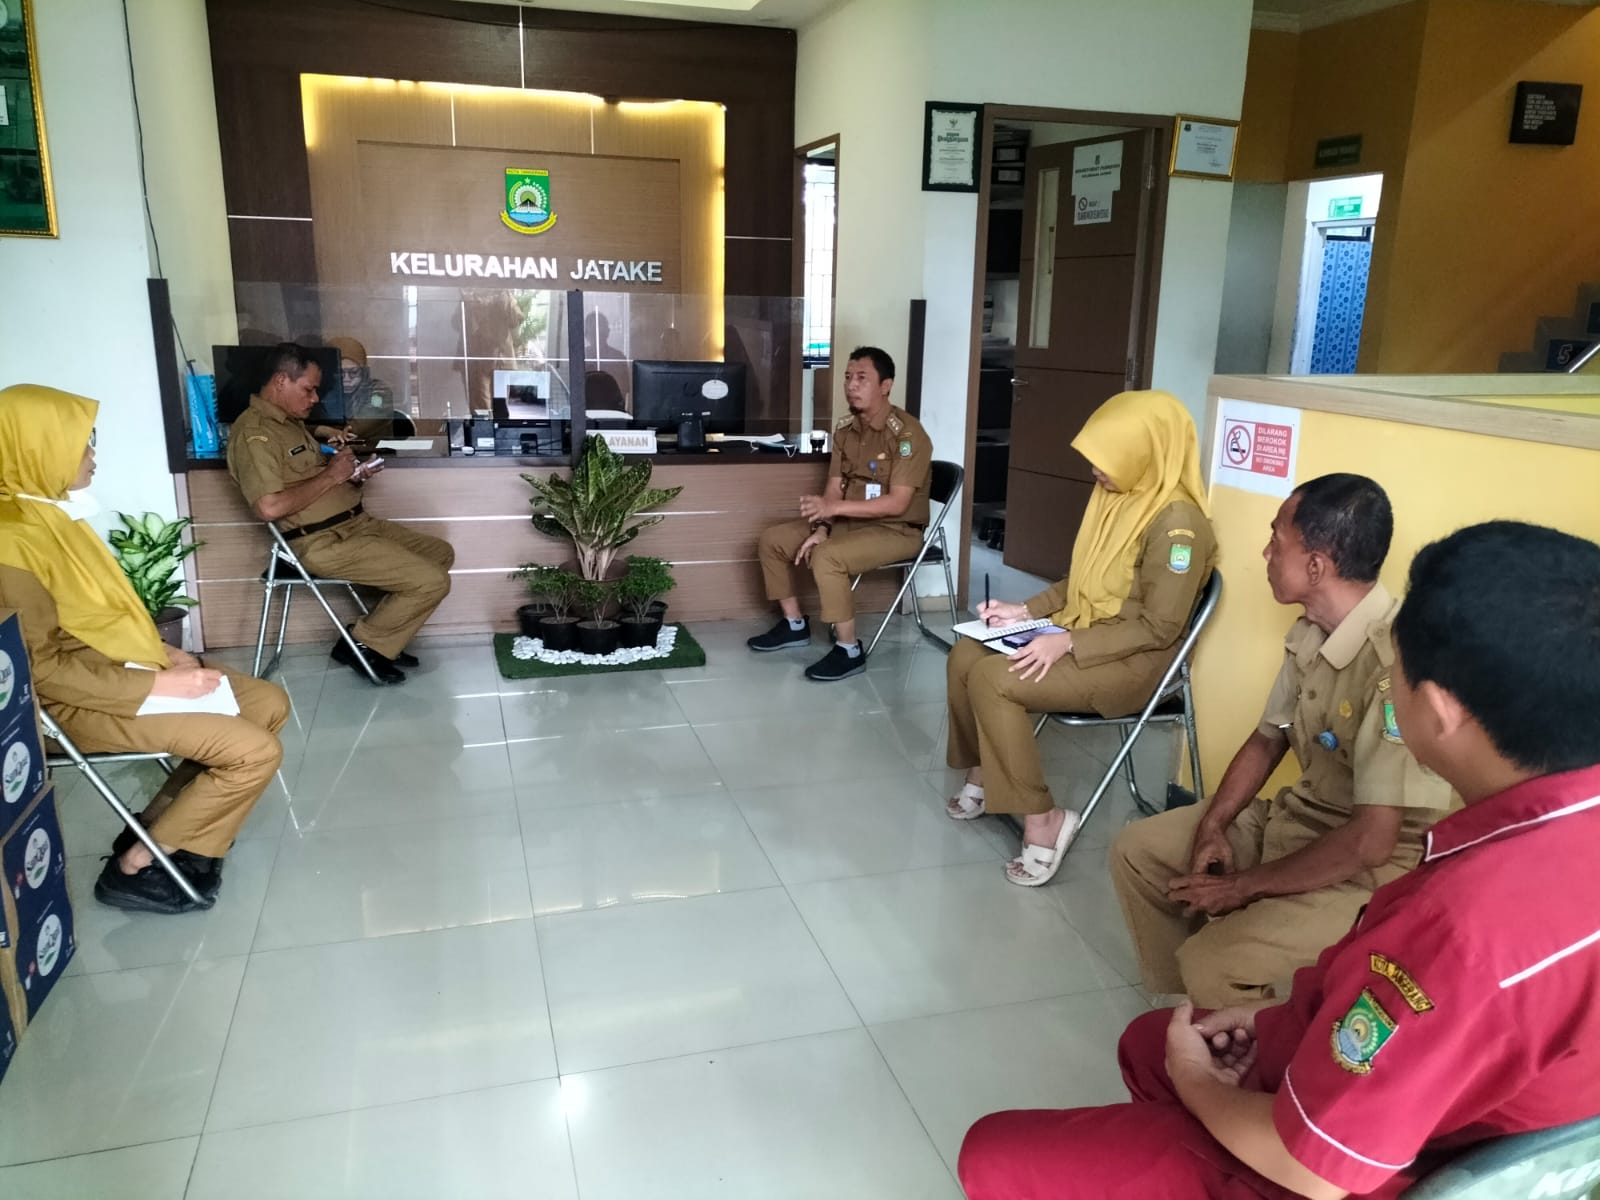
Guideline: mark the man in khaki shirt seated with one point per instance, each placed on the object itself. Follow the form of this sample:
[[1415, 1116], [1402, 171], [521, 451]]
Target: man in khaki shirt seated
[[872, 511], [316, 501], [1226, 901]]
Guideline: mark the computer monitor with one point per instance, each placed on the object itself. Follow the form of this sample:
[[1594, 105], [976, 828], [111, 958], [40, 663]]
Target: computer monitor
[[243, 370], [664, 393]]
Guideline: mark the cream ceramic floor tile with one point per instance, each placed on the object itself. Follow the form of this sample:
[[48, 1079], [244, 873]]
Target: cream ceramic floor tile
[[389, 785], [591, 768], [589, 704], [858, 827], [505, 1143], [771, 751], [322, 1029], [157, 1171], [789, 1120], [345, 884], [117, 1059], [666, 848], [411, 715], [1057, 1053], [110, 939], [946, 939], [650, 981]]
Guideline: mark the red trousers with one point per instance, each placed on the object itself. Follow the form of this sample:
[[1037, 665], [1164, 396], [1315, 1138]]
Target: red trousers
[[1151, 1149]]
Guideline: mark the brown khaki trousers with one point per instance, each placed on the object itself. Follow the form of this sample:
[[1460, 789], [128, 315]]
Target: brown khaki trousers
[[991, 725], [228, 761], [1249, 954], [412, 567], [851, 549]]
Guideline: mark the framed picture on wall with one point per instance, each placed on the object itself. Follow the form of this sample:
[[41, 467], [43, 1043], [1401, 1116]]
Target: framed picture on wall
[[1203, 147], [27, 205], [952, 146]]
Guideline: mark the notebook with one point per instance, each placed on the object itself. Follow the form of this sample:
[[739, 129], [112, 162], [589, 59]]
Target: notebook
[[996, 636]]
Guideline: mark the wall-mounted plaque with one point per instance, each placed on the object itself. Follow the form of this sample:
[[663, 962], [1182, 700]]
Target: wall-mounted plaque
[[1203, 147], [27, 206], [952, 137], [1546, 114]]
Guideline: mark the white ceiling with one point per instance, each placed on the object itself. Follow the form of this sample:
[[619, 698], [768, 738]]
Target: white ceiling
[[787, 14]]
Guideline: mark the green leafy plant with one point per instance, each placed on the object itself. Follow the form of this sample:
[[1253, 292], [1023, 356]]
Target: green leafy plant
[[646, 581], [599, 507], [149, 549], [594, 597], [554, 585]]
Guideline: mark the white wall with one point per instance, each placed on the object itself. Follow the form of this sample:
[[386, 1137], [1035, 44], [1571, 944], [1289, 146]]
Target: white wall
[[1255, 244], [74, 312], [865, 70]]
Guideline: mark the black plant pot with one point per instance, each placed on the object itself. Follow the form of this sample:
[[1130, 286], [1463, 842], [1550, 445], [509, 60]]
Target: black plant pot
[[598, 637], [658, 608], [169, 624], [528, 618], [640, 633], [558, 633]]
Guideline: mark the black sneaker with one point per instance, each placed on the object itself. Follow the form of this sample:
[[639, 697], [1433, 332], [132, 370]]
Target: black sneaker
[[837, 664], [781, 637], [205, 873], [382, 667], [147, 890]]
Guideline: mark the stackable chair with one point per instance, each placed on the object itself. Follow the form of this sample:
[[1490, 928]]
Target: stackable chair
[[943, 489], [71, 756], [1172, 703], [1561, 1164], [285, 572]]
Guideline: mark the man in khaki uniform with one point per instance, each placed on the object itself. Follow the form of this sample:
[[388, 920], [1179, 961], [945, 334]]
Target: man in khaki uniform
[[1226, 901], [280, 469], [872, 511]]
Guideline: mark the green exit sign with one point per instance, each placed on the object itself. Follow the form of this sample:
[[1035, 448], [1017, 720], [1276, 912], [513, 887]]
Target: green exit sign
[[1346, 206]]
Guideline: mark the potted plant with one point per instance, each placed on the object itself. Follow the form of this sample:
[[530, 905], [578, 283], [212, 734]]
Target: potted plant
[[599, 634], [599, 507], [640, 591], [551, 622], [149, 550]]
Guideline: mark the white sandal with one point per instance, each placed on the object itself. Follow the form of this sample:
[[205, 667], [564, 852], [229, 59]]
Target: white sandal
[[965, 805], [1037, 865]]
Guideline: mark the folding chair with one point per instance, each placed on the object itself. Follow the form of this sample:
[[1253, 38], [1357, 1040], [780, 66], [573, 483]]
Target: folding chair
[[71, 756], [943, 488], [1172, 702], [283, 558], [1559, 1162]]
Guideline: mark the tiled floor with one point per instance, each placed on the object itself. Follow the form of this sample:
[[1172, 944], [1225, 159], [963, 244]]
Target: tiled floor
[[647, 935]]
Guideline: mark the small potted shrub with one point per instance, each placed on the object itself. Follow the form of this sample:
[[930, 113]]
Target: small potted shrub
[[599, 634], [149, 550], [640, 591], [552, 622]]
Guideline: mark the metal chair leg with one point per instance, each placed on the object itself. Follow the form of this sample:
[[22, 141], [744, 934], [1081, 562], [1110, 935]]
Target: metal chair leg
[[361, 604], [268, 585], [1194, 739], [894, 607], [949, 582], [344, 633]]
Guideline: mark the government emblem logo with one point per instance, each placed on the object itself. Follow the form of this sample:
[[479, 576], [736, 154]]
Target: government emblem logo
[[528, 201], [1363, 1032]]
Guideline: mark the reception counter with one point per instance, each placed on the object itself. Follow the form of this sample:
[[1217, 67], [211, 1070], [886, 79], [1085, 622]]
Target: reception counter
[[1450, 451], [480, 505]]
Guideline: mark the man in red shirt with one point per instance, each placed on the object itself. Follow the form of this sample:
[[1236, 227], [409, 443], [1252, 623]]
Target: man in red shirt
[[1462, 1005]]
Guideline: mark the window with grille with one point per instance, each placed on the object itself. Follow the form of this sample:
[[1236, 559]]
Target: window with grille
[[817, 198]]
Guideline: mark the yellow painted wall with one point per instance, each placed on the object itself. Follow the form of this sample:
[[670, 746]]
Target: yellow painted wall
[[1267, 114], [1489, 236], [1467, 478]]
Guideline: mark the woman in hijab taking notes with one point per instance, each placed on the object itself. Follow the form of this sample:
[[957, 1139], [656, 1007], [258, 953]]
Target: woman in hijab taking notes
[[1143, 553], [98, 661]]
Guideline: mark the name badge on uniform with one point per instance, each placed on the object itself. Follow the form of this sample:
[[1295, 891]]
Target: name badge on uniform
[[874, 490], [296, 450]]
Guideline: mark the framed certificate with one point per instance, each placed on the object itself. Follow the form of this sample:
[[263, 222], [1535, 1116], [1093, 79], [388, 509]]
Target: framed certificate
[[27, 206], [952, 145], [1203, 147]]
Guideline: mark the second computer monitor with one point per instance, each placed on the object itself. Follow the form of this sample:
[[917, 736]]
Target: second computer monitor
[[665, 393]]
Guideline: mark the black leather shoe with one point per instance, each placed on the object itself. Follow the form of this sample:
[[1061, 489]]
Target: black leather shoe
[[406, 659], [382, 667], [205, 873], [836, 665], [147, 890], [780, 637]]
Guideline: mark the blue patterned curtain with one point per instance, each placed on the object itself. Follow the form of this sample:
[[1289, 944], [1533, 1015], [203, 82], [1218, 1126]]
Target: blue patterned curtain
[[1341, 301]]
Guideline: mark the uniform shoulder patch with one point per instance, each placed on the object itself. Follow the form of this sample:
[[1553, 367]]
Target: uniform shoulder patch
[[895, 424], [1181, 533], [1179, 558], [844, 423], [1416, 999], [905, 447], [256, 437], [1391, 725], [1361, 1033]]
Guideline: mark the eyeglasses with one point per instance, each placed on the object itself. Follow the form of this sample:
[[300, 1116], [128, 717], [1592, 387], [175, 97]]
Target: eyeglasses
[[91, 438]]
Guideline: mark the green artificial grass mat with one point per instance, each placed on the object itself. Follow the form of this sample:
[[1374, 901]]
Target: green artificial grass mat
[[686, 652]]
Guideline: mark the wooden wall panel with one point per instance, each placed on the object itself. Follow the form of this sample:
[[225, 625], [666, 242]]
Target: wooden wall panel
[[709, 535]]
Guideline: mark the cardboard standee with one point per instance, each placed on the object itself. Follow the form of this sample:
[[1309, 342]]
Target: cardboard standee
[[22, 766]]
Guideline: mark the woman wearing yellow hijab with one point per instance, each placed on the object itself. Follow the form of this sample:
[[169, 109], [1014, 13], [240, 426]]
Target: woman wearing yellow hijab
[[88, 636], [1142, 555]]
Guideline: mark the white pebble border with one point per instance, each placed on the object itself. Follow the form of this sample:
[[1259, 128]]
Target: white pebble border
[[526, 648]]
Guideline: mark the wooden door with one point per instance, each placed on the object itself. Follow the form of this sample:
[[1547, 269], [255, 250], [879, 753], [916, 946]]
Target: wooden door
[[1079, 329]]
